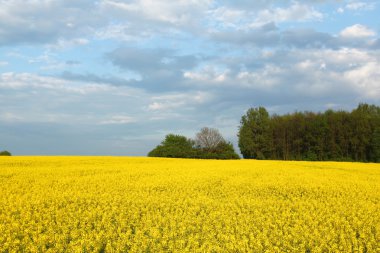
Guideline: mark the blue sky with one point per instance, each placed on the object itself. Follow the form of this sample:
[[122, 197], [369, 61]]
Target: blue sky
[[113, 77]]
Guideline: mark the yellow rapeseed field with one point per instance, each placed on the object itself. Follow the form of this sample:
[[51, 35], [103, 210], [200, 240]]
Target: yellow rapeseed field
[[115, 204]]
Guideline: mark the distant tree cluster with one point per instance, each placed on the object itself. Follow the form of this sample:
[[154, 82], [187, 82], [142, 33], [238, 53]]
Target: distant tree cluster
[[332, 135], [5, 153], [208, 144]]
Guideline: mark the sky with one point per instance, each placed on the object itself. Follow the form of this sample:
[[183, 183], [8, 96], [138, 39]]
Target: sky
[[113, 77]]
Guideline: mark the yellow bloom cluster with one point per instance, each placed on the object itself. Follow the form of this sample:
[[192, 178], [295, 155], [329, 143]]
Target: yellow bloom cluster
[[115, 204]]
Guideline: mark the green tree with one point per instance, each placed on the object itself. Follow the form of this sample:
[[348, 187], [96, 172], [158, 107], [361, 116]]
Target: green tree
[[361, 123], [5, 153], [374, 147], [175, 146], [332, 135], [255, 134], [225, 150], [209, 144], [375, 156]]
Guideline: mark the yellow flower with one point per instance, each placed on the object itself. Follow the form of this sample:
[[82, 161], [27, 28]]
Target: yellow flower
[[116, 204]]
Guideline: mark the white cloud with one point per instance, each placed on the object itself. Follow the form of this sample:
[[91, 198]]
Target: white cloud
[[169, 101], [296, 12], [120, 32], [118, 119], [360, 6], [3, 63], [31, 98], [64, 44], [40, 22], [37, 115], [365, 79], [20, 81], [357, 31], [264, 78], [49, 61], [223, 17], [245, 19], [10, 117], [209, 74], [175, 12], [355, 6], [343, 58], [158, 106], [327, 72], [168, 104], [178, 101]]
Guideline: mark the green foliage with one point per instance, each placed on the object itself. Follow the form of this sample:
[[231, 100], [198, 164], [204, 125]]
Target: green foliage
[[223, 151], [5, 153], [254, 134], [178, 146], [175, 146], [375, 155], [339, 136]]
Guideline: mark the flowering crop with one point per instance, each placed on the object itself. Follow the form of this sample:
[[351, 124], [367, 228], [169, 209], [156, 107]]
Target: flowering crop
[[114, 204]]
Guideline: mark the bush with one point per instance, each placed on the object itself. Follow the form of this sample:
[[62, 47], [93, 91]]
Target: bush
[[5, 153], [177, 146], [223, 151]]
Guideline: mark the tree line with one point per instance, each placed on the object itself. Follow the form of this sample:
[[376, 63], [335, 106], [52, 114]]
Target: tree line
[[331, 135], [208, 144], [324, 136]]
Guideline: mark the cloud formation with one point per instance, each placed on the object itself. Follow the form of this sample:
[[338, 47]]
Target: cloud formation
[[112, 72], [357, 31], [24, 22]]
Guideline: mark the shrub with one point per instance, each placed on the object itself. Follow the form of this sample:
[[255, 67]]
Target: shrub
[[5, 153], [209, 144]]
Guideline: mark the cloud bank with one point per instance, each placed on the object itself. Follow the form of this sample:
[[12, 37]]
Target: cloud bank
[[113, 76]]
